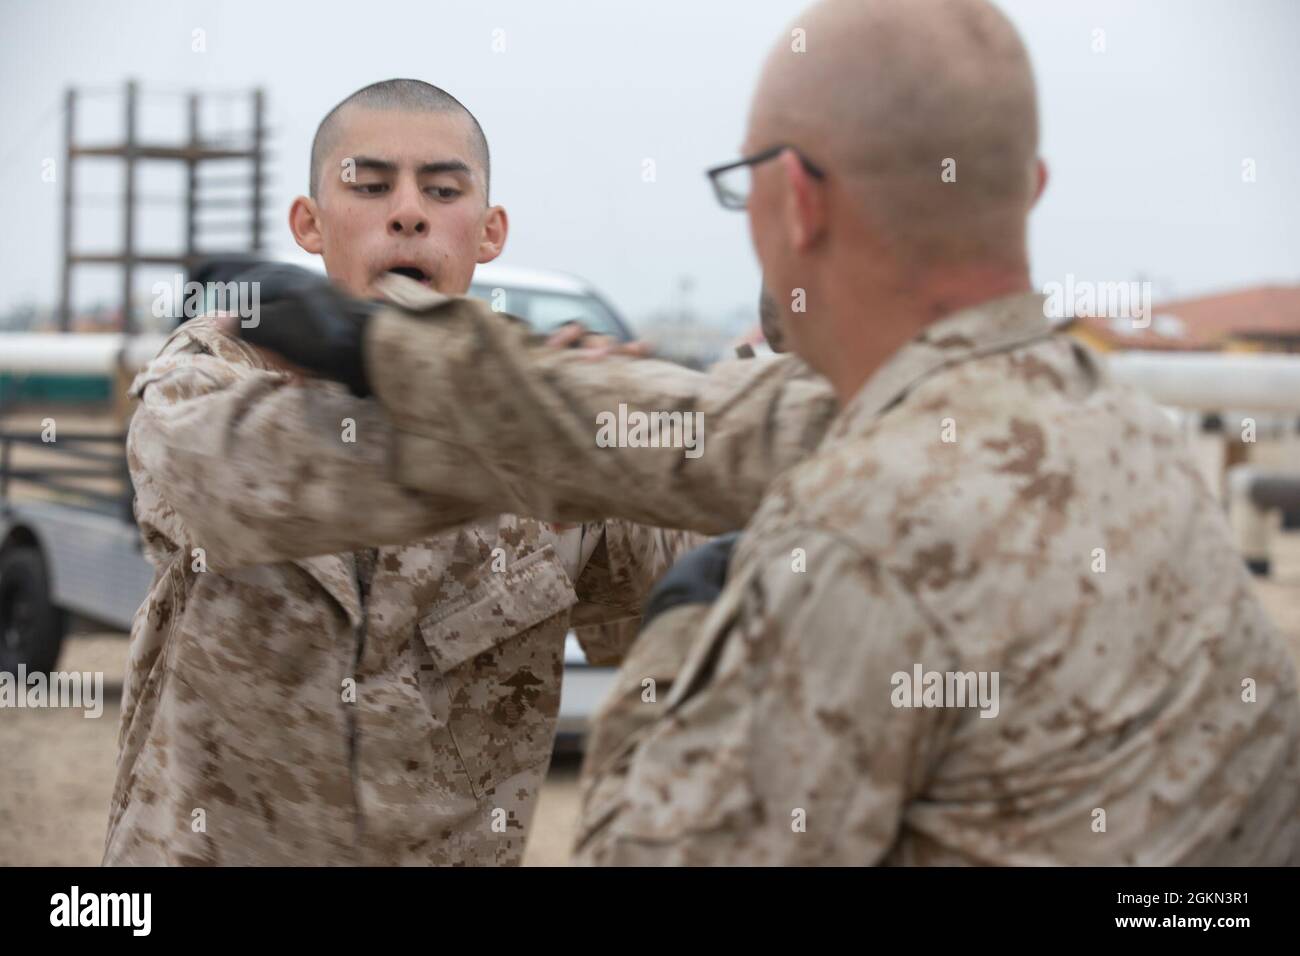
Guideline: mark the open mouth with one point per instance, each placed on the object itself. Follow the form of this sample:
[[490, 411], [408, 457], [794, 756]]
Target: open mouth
[[411, 272]]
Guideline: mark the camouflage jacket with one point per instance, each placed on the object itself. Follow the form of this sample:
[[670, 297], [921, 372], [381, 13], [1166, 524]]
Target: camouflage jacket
[[489, 418], [288, 701], [995, 618]]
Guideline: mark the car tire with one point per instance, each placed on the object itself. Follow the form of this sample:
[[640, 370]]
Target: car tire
[[31, 627]]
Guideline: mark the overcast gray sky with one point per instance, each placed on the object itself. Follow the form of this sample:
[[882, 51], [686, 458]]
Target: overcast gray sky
[[1145, 141]]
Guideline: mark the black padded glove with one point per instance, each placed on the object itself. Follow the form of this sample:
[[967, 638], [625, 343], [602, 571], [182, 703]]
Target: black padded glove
[[303, 317]]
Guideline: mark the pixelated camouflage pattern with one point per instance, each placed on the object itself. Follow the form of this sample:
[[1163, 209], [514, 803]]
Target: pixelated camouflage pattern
[[1123, 695], [485, 413], [234, 702]]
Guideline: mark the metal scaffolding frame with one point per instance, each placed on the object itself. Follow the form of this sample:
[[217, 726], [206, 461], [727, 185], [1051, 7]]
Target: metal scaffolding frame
[[195, 151]]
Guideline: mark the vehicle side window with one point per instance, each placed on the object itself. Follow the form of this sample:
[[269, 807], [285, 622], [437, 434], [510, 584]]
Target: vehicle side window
[[547, 311], [502, 298]]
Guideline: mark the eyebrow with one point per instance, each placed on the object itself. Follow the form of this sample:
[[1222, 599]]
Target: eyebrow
[[386, 166], [445, 166]]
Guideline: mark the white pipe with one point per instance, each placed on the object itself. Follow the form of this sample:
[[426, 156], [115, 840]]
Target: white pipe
[[75, 353], [1212, 381]]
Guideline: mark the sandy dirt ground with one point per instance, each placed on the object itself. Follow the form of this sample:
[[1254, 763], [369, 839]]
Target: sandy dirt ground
[[56, 766], [56, 775]]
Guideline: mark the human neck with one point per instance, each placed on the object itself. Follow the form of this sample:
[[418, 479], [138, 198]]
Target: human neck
[[900, 309]]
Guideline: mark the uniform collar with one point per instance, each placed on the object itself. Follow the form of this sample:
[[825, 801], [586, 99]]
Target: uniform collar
[[337, 574], [994, 326]]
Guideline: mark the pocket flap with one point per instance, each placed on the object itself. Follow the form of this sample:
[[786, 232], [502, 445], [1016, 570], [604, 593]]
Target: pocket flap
[[530, 590]]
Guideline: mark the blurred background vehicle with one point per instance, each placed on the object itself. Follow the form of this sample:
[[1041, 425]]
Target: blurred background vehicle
[[548, 299], [545, 298]]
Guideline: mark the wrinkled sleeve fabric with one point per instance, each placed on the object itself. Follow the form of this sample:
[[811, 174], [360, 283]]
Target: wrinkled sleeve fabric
[[263, 467], [486, 413]]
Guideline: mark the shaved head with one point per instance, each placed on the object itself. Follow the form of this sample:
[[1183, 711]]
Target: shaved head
[[909, 167], [925, 108], [399, 183], [414, 96]]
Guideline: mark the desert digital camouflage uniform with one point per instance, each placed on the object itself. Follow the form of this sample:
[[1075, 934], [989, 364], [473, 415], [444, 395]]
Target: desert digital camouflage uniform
[[487, 416], [292, 700], [951, 519]]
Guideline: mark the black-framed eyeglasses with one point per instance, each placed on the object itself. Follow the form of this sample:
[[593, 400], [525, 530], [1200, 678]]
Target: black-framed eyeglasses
[[731, 181]]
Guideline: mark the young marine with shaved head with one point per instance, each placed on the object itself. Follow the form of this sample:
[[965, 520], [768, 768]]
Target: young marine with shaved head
[[374, 180], [313, 678], [913, 655]]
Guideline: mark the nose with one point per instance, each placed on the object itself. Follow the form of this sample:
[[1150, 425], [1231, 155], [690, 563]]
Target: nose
[[407, 218]]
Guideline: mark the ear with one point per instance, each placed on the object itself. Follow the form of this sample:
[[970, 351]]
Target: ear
[[805, 203], [304, 223], [1041, 173], [495, 228]]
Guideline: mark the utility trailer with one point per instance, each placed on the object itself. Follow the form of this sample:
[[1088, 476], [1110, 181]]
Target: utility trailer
[[74, 550]]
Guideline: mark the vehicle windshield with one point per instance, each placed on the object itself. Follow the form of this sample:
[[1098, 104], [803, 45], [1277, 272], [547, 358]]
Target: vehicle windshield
[[547, 311]]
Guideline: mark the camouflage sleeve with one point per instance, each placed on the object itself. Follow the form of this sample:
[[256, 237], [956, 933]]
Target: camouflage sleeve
[[261, 467], [779, 741], [486, 413], [615, 581]]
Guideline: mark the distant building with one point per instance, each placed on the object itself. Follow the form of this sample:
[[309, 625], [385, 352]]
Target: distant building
[[1264, 319]]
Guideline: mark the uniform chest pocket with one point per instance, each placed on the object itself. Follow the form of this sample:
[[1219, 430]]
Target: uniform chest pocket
[[499, 652]]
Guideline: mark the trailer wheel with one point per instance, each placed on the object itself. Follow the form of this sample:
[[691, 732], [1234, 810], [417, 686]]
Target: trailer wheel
[[31, 627]]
